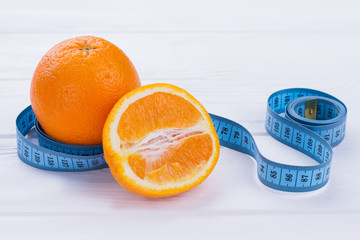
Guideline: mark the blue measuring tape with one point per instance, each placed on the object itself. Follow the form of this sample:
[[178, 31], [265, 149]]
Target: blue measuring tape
[[51, 154], [314, 137]]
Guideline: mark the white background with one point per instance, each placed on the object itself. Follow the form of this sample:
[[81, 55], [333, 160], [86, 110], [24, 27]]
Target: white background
[[230, 55]]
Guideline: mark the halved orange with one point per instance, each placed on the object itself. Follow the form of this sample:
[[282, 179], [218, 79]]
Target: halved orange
[[159, 141]]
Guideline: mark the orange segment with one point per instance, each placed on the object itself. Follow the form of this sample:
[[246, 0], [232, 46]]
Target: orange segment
[[176, 164], [159, 141], [179, 113]]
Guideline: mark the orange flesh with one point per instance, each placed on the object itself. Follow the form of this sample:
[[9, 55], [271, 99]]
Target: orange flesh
[[158, 111], [163, 143]]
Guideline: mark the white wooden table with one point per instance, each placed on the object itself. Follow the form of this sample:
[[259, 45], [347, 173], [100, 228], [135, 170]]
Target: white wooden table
[[230, 55]]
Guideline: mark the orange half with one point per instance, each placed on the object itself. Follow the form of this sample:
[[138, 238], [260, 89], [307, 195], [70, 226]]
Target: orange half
[[159, 141]]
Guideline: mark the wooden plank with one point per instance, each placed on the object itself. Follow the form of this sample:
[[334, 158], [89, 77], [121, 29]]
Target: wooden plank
[[239, 57], [188, 225], [89, 16]]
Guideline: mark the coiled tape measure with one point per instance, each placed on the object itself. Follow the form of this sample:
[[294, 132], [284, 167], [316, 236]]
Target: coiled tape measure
[[314, 122]]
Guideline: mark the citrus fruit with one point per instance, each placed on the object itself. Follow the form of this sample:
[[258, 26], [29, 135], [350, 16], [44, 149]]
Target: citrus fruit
[[159, 141], [75, 86]]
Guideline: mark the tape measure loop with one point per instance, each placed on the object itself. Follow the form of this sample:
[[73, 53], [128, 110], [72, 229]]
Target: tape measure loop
[[314, 138], [312, 128], [51, 154]]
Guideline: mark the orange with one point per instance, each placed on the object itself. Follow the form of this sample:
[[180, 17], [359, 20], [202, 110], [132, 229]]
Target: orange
[[75, 86], [159, 141]]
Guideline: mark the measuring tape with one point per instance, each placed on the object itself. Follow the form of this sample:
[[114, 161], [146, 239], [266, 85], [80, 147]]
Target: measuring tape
[[313, 123], [52, 154]]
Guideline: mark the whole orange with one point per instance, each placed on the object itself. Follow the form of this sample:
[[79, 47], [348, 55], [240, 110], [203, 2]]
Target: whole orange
[[76, 84]]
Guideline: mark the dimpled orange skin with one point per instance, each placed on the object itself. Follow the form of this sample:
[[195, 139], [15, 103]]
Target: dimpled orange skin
[[75, 86]]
